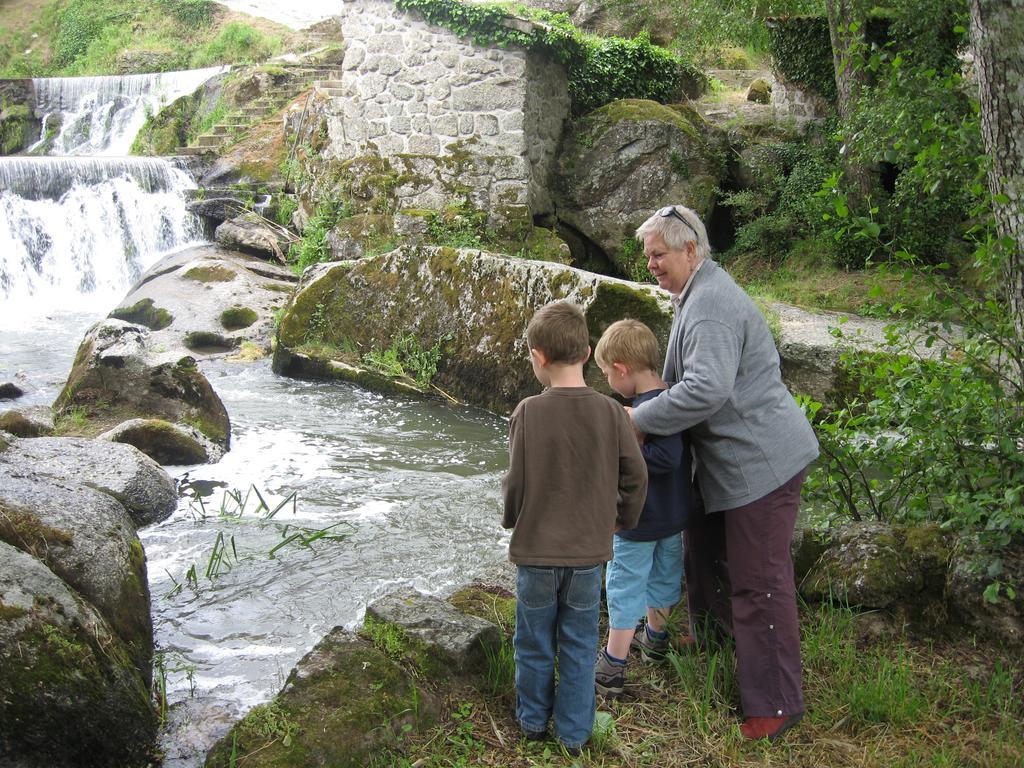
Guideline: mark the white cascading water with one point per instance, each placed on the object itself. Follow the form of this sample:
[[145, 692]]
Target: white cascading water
[[102, 115], [77, 228], [76, 233]]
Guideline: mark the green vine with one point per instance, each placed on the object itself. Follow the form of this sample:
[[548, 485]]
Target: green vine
[[599, 69]]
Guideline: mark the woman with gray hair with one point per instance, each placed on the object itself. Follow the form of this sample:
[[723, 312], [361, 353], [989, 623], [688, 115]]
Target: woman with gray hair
[[752, 445]]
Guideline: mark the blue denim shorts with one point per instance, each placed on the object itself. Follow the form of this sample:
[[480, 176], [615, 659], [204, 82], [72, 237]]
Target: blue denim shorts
[[643, 574]]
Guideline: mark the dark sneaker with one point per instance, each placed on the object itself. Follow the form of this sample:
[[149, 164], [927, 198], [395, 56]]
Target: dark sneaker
[[651, 649], [609, 677]]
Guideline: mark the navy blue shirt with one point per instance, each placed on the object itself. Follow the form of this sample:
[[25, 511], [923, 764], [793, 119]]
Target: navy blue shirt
[[669, 484]]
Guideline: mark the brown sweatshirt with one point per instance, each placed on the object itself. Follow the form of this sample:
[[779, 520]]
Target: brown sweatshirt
[[575, 473]]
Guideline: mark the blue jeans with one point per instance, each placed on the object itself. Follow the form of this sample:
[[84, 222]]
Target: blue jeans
[[557, 613]]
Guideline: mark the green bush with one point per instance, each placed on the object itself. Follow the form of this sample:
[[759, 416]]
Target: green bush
[[313, 248]]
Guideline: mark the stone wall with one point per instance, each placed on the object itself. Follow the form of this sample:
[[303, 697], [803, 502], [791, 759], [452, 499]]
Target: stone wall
[[412, 89], [793, 100]]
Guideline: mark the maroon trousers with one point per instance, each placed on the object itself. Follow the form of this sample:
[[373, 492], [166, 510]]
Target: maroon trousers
[[739, 581]]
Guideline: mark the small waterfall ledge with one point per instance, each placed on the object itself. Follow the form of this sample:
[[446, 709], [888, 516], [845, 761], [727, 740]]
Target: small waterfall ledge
[[102, 115]]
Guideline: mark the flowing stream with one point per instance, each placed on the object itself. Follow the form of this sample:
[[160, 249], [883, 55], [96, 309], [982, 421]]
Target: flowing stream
[[384, 491]]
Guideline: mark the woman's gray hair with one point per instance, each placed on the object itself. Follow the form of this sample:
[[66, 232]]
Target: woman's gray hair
[[674, 231]]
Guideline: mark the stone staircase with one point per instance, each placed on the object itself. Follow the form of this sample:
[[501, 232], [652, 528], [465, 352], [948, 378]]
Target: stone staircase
[[223, 134]]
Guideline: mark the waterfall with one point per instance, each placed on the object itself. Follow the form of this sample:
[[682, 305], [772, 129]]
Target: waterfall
[[102, 115], [78, 228], [85, 229]]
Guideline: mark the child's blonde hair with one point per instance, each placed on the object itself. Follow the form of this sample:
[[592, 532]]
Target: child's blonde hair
[[559, 330], [629, 342]]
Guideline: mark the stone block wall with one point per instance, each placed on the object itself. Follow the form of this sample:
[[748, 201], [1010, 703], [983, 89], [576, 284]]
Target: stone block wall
[[793, 100], [473, 121]]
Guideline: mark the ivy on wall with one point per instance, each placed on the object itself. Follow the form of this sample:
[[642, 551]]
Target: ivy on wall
[[802, 52], [926, 30], [599, 69]]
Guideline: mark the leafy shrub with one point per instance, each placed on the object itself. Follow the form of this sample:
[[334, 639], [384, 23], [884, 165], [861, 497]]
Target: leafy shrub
[[459, 225], [313, 247]]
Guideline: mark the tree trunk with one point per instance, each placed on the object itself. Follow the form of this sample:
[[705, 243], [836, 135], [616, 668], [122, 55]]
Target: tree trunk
[[850, 80], [997, 35]]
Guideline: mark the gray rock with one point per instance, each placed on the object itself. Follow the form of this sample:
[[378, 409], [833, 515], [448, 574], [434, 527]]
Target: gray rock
[[968, 577], [252, 234], [217, 208], [33, 421], [196, 286], [87, 539], [166, 443], [625, 160], [10, 391], [71, 697], [116, 378], [346, 699], [120, 471], [459, 642]]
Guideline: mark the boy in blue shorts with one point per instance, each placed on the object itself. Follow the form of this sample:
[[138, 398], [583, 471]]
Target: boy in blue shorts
[[646, 572], [575, 475]]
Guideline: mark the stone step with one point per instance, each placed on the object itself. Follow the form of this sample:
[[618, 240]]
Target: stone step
[[328, 84], [192, 151], [225, 129]]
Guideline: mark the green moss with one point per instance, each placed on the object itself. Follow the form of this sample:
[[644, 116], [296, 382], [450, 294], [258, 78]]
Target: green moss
[[337, 714], [235, 318], [492, 604], [682, 116], [22, 528], [210, 274], [146, 313], [615, 301], [11, 612], [413, 654], [206, 341]]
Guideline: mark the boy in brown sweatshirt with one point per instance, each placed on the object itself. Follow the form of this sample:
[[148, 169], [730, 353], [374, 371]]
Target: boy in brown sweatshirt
[[576, 475]]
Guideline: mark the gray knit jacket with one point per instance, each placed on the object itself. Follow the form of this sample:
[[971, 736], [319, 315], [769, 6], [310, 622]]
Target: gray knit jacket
[[748, 434]]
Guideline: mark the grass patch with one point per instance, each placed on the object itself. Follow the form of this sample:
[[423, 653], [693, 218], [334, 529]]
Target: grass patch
[[897, 703], [808, 280], [91, 37]]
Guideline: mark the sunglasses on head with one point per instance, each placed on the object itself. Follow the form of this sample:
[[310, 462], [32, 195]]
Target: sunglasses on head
[[670, 210]]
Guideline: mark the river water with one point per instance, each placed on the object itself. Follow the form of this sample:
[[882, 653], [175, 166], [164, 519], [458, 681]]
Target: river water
[[386, 492], [412, 485]]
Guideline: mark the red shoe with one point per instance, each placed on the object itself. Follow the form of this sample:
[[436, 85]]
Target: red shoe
[[684, 643], [769, 728]]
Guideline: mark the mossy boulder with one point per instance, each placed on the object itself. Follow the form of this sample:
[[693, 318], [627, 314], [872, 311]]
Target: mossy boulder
[[902, 569], [476, 304], [165, 443], [760, 91], [113, 380], [975, 564], [19, 127], [434, 635], [70, 692], [342, 703], [623, 161], [87, 539]]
